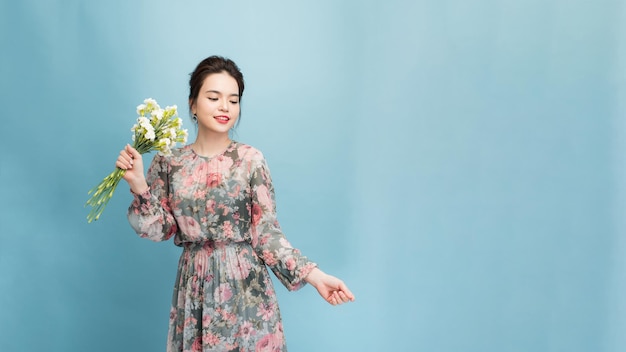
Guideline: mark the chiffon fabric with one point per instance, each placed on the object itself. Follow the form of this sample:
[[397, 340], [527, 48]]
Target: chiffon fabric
[[221, 211]]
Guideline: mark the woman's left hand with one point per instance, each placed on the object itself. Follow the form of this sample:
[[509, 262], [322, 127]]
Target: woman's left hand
[[333, 290]]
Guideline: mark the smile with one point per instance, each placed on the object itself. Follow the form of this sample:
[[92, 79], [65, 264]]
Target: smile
[[222, 119]]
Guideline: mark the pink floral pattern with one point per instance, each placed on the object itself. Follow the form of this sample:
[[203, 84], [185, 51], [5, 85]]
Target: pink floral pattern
[[221, 210]]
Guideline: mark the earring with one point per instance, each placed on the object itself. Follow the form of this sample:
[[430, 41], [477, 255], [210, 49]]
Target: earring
[[194, 118]]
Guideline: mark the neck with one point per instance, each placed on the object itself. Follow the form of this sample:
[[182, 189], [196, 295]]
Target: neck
[[209, 145]]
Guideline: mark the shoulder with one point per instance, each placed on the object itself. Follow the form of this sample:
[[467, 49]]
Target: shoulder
[[179, 152], [247, 152], [175, 156]]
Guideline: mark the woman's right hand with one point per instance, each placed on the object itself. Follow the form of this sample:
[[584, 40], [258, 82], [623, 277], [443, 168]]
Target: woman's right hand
[[131, 161]]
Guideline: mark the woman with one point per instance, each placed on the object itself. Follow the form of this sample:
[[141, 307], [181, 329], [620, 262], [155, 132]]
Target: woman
[[215, 197]]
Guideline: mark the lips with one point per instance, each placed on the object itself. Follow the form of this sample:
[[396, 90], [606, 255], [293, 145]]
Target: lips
[[222, 119]]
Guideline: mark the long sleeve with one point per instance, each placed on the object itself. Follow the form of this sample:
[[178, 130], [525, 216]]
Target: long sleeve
[[267, 239], [149, 214]]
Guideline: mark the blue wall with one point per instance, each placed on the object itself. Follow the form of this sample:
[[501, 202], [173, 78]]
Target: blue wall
[[458, 163]]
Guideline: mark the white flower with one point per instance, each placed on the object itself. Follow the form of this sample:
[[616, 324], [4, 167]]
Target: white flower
[[165, 142], [150, 135], [150, 102], [145, 123], [158, 114], [140, 108]]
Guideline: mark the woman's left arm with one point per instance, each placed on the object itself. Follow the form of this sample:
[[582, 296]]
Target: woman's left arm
[[266, 236], [291, 267]]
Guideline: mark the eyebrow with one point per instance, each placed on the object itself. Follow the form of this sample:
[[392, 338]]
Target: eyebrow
[[218, 92]]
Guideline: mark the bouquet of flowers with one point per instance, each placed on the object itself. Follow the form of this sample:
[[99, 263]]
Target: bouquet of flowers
[[156, 129]]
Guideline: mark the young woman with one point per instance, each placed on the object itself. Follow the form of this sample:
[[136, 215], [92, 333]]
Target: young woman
[[215, 197]]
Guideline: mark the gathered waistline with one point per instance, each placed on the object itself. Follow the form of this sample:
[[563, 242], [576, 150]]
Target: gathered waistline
[[199, 258], [212, 244]]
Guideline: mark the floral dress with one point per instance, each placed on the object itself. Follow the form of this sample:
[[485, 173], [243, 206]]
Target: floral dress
[[221, 210]]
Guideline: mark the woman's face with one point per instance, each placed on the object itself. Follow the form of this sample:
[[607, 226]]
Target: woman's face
[[217, 103]]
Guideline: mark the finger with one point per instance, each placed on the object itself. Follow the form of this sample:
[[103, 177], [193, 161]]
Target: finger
[[343, 297], [334, 299], [122, 165], [132, 152], [124, 161], [343, 288], [128, 153], [331, 298]]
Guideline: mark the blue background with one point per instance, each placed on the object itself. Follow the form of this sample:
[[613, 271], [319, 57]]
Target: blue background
[[458, 163]]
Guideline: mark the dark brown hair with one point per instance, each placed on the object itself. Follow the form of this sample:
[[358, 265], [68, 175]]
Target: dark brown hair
[[208, 66]]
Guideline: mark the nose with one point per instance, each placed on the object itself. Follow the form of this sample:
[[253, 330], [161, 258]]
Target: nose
[[224, 105]]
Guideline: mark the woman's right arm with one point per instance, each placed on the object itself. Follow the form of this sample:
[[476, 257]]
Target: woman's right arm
[[149, 214]]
